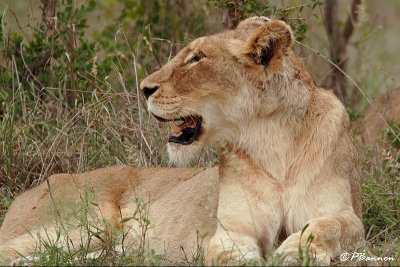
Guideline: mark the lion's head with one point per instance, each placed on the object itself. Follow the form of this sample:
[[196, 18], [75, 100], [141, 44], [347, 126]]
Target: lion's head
[[217, 85]]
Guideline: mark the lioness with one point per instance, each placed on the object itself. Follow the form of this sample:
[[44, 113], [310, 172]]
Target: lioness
[[286, 160], [386, 106]]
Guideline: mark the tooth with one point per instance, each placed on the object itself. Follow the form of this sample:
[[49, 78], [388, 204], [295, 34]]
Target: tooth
[[175, 128]]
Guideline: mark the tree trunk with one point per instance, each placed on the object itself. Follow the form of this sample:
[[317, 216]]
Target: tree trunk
[[338, 40], [48, 14]]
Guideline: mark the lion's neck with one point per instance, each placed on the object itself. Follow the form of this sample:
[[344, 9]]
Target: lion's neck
[[267, 145], [270, 138], [271, 142], [276, 145]]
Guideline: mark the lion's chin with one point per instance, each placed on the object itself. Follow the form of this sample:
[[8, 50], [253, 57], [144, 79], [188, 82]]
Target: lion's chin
[[182, 155]]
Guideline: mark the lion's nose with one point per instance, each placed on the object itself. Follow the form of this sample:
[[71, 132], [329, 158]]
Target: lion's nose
[[149, 90]]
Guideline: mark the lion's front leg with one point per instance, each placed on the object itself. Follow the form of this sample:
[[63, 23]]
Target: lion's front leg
[[248, 222], [232, 247], [332, 234]]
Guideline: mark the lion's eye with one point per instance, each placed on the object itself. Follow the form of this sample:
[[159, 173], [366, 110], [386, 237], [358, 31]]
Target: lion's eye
[[195, 58]]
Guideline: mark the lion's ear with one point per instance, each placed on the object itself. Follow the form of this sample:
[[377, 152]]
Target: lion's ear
[[253, 22], [266, 46]]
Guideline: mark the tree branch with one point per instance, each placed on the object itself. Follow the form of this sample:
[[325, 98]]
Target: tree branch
[[351, 20], [48, 14], [331, 10], [338, 42]]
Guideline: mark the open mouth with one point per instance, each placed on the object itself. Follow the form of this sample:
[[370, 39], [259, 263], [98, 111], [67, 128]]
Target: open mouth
[[185, 130]]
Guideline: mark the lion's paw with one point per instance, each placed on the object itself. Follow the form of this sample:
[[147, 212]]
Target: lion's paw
[[235, 256], [289, 251]]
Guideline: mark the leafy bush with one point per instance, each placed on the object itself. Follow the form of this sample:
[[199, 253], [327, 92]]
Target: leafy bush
[[292, 14], [64, 106]]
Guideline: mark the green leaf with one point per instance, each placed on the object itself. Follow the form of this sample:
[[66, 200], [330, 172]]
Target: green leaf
[[94, 204], [123, 220]]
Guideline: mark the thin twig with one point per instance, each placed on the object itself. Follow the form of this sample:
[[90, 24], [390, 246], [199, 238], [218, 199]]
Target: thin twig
[[138, 94], [2, 23], [170, 45], [71, 57], [26, 66], [19, 87], [152, 49], [17, 21]]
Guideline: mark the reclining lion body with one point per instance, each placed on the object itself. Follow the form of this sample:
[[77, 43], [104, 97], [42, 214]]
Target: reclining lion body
[[386, 106], [185, 191], [286, 156]]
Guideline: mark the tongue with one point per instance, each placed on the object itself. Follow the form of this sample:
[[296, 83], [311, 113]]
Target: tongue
[[191, 123]]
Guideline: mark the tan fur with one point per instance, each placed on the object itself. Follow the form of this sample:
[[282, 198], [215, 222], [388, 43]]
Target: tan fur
[[370, 128], [286, 153]]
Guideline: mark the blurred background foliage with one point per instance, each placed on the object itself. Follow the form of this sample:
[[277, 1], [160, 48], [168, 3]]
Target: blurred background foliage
[[69, 75]]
